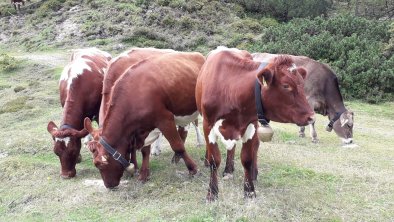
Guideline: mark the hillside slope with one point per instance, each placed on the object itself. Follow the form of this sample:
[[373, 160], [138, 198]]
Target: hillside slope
[[181, 25]]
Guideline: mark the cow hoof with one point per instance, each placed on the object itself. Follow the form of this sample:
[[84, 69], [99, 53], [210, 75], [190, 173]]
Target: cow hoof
[[250, 195], [302, 135], [315, 140], [211, 197], [155, 153], [144, 176], [227, 176], [193, 172], [175, 159]]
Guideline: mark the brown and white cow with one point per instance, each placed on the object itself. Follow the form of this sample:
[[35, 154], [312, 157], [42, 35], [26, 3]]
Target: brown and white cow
[[225, 94], [323, 94], [80, 89], [153, 96]]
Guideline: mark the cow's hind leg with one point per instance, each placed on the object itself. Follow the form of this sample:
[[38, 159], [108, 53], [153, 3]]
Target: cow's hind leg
[[144, 171], [168, 128], [183, 134], [313, 133], [213, 159], [229, 169]]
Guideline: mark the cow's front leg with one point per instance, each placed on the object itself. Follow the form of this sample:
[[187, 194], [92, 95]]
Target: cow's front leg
[[213, 159], [313, 133], [200, 140], [301, 133], [248, 160], [229, 169], [144, 171], [168, 128]]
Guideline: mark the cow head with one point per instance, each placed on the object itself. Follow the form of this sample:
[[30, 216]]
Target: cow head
[[343, 127], [283, 92], [67, 146], [111, 171]]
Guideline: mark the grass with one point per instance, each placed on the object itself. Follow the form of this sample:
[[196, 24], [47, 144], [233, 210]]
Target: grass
[[298, 180]]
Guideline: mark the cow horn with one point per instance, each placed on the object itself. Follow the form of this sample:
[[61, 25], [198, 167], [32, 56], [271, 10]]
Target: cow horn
[[130, 169]]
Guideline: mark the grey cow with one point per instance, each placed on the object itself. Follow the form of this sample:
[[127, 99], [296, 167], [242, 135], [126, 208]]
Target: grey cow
[[323, 94]]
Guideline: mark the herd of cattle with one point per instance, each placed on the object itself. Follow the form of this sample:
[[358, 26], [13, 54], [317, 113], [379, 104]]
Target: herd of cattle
[[146, 92]]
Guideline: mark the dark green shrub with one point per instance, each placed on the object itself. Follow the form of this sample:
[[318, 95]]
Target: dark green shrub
[[354, 47], [7, 63]]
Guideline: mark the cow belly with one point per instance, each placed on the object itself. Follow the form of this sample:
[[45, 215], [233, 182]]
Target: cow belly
[[185, 120], [229, 143]]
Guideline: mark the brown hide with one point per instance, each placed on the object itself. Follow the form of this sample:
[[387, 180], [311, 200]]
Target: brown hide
[[80, 95], [119, 65], [148, 96], [225, 91], [322, 92]]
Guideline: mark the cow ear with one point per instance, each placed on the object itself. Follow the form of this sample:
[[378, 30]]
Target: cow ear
[[265, 75], [88, 125], [302, 72], [51, 127]]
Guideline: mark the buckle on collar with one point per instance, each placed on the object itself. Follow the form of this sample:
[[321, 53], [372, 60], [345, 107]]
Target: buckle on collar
[[116, 155]]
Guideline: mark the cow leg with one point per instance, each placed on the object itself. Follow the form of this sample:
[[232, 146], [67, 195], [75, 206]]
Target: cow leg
[[200, 140], [313, 133], [183, 134], [214, 158], [229, 169], [144, 171], [301, 133], [248, 161], [255, 145], [156, 150], [133, 160], [168, 128]]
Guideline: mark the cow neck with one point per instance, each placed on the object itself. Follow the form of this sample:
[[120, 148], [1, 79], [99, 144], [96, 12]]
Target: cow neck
[[114, 153], [259, 100], [72, 115]]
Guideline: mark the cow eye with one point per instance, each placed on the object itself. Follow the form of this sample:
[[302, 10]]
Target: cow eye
[[286, 86]]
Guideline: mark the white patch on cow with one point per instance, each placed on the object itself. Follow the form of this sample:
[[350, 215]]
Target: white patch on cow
[[73, 70], [66, 140], [222, 48], [293, 67], [185, 120], [215, 133], [152, 136], [347, 141], [156, 146], [249, 133]]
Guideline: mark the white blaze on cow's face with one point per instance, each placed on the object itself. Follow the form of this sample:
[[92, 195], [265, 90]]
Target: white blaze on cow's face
[[75, 69], [230, 143], [65, 140]]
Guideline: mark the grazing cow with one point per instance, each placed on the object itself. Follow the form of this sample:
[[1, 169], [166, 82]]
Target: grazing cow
[[323, 94], [152, 96], [80, 89], [17, 3], [225, 94], [116, 68]]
